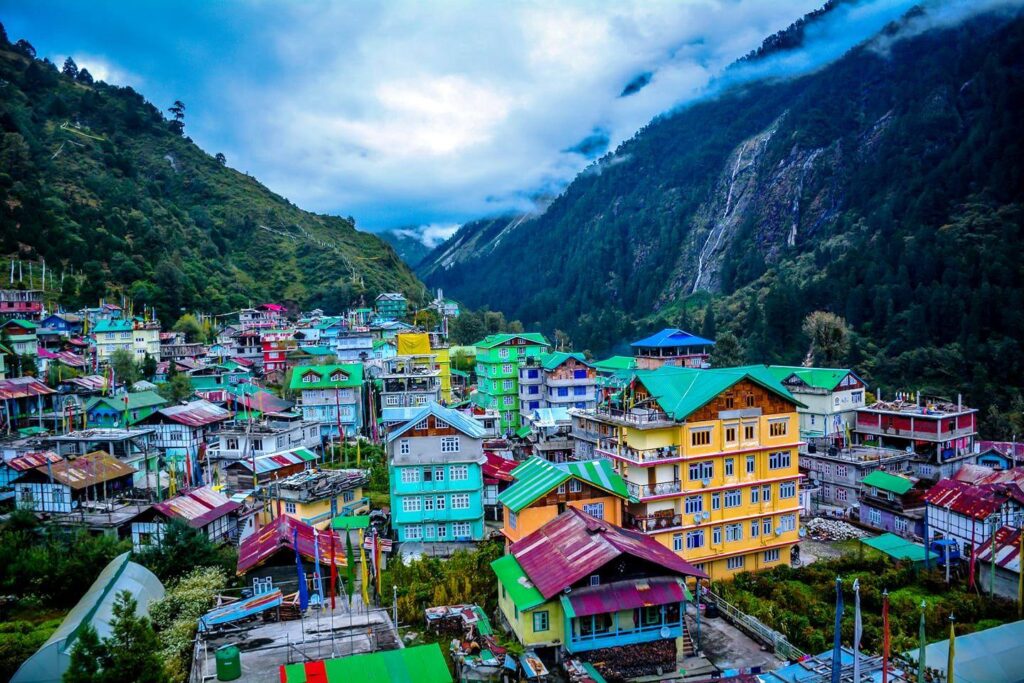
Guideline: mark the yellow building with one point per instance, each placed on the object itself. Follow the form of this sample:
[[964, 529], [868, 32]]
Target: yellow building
[[711, 456], [315, 497]]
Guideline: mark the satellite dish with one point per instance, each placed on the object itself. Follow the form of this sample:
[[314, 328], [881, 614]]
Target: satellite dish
[[803, 532], [665, 632], [696, 518]]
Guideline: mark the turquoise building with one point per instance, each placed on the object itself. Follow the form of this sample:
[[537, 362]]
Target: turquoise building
[[435, 462]]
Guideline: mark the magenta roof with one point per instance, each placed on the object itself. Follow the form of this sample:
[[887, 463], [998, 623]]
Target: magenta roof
[[574, 544], [626, 595], [971, 500], [23, 387], [194, 414], [980, 475], [27, 461], [198, 507], [1011, 449], [498, 468], [257, 548]]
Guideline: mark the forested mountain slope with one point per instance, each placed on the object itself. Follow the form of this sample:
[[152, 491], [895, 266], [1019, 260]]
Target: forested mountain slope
[[95, 181]]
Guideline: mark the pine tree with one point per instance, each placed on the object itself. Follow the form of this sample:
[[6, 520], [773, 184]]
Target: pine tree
[[132, 646], [70, 68], [88, 657]]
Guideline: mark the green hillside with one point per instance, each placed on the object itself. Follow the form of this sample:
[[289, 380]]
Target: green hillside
[[94, 180]]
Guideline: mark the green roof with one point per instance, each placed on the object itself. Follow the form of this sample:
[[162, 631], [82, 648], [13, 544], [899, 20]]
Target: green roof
[[681, 391], [315, 350], [537, 476], [898, 548], [420, 664], [819, 378], [550, 361], [351, 376], [888, 482], [520, 589], [459, 373], [27, 324], [112, 326], [523, 431], [350, 522], [492, 340], [136, 399], [615, 363]]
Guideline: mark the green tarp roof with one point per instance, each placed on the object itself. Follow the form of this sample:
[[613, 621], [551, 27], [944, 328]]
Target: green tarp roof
[[319, 376], [681, 391], [550, 361], [615, 363], [350, 522], [888, 482], [535, 477], [520, 589], [492, 340], [420, 664], [819, 378], [136, 400], [898, 548]]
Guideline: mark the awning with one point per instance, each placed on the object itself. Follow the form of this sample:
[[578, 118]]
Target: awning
[[899, 548], [623, 595]]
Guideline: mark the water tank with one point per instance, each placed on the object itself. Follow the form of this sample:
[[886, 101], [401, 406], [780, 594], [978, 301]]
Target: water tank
[[229, 663]]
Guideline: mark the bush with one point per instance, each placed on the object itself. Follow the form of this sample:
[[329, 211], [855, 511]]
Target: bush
[[19, 640], [175, 617]]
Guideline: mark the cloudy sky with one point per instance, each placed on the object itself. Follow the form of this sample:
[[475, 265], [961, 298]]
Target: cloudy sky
[[420, 113]]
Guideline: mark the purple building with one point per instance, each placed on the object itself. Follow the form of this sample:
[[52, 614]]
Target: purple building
[[889, 502]]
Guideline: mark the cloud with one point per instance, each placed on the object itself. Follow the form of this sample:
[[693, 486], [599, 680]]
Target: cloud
[[431, 235]]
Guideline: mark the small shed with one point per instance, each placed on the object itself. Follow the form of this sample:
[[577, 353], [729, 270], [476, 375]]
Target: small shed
[[900, 549], [50, 661]]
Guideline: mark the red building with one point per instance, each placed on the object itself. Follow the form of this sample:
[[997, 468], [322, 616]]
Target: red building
[[21, 303], [276, 345]]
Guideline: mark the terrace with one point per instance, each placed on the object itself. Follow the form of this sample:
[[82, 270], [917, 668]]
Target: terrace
[[637, 417], [612, 448], [642, 491]]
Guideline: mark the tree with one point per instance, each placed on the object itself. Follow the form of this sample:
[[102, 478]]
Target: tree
[[221, 159], [27, 365], [70, 68], [149, 366], [829, 336], [727, 352], [25, 48], [426, 319], [708, 328], [125, 368], [88, 658], [190, 326], [177, 110], [177, 388], [182, 549], [467, 328], [132, 645], [85, 77]]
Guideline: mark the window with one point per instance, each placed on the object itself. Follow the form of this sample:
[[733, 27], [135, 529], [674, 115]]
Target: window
[[532, 374], [695, 539], [755, 528], [563, 391], [778, 427], [766, 493], [440, 502], [410, 475], [232, 444], [428, 474], [677, 542], [428, 504], [579, 391], [460, 501], [716, 501], [508, 400], [730, 467], [778, 461], [442, 531], [787, 489], [700, 437], [702, 470], [421, 425], [749, 400], [575, 486], [540, 621], [766, 526], [874, 517], [438, 474], [595, 580], [755, 495], [413, 533], [348, 496], [450, 444], [533, 389], [503, 354], [842, 471], [694, 504], [391, 400], [733, 498], [579, 374], [730, 435], [841, 493], [771, 555], [428, 531], [460, 530], [561, 489], [735, 562], [716, 535], [506, 369], [751, 464], [749, 432], [594, 510], [733, 532], [440, 424], [403, 447], [787, 522], [459, 472], [289, 508], [257, 444], [411, 504], [506, 385], [730, 402], [901, 524]]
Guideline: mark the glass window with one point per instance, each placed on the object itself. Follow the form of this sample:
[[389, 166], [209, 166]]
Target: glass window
[[771, 555], [778, 427], [694, 504], [575, 486], [755, 528], [540, 621], [677, 542], [716, 535], [450, 444], [289, 508], [411, 504], [778, 460], [735, 562], [730, 466], [695, 539], [460, 501], [787, 489], [459, 472], [733, 498], [403, 447], [755, 494], [716, 501], [413, 533], [700, 437], [594, 510], [751, 464], [410, 475]]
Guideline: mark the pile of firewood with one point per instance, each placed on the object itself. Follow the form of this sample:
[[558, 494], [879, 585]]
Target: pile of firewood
[[632, 661]]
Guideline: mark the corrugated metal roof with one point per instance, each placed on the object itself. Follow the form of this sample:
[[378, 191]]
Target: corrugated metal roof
[[459, 421], [670, 337], [574, 544], [86, 470], [981, 475], [31, 460], [623, 595], [498, 468], [970, 500], [888, 482], [275, 461], [279, 535], [1007, 549], [194, 414], [198, 507], [536, 477], [23, 387], [88, 382]]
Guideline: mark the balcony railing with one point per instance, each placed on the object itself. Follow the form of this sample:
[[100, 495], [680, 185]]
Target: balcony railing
[[614, 635], [636, 417], [947, 435], [653, 523], [657, 489], [611, 447]]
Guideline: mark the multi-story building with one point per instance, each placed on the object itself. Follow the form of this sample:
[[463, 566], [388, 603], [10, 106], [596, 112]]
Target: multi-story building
[[135, 447], [940, 433], [409, 381], [557, 380], [264, 316], [26, 304], [891, 503], [831, 398], [711, 456], [673, 347], [837, 472], [971, 511], [498, 359], [139, 337], [122, 410], [184, 433], [21, 337], [277, 344], [315, 497], [271, 434], [331, 395], [391, 306], [549, 434], [436, 472]]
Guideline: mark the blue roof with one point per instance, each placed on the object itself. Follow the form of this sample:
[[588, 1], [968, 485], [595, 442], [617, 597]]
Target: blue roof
[[460, 421], [670, 337]]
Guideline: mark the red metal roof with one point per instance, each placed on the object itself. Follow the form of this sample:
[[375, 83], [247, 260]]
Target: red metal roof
[[981, 475], [1007, 548], [198, 507], [626, 595], [23, 387], [574, 544], [971, 500], [498, 468], [1010, 449], [257, 548], [30, 460], [194, 414]]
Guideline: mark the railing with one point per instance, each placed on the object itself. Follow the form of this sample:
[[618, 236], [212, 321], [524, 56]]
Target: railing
[[554, 444], [657, 489], [782, 647], [613, 635], [643, 417], [942, 435], [654, 523], [612, 448]]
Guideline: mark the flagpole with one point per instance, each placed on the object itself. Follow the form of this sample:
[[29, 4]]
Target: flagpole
[[857, 629], [922, 642], [837, 648], [885, 636], [952, 650]]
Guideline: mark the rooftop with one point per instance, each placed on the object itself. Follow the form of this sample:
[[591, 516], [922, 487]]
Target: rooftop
[[198, 507], [671, 338], [317, 484], [928, 407]]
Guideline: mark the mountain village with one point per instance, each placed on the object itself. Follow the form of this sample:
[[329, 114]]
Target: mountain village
[[623, 498]]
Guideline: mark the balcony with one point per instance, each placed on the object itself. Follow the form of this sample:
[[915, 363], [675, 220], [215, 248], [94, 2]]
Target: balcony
[[636, 456], [641, 418], [655, 613], [657, 489], [554, 445], [933, 437], [650, 524]]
